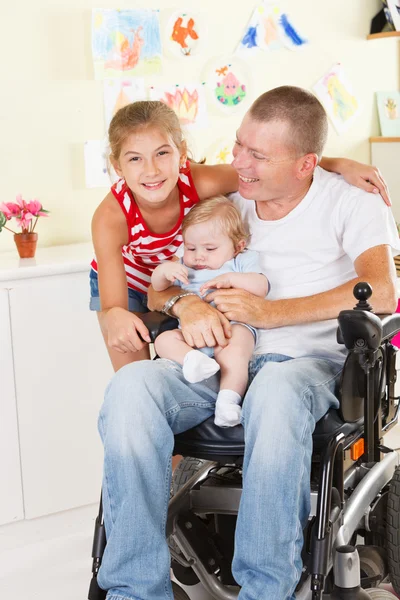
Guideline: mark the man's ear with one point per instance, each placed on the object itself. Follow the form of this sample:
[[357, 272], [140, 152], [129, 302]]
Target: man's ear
[[240, 246], [306, 166], [116, 167]]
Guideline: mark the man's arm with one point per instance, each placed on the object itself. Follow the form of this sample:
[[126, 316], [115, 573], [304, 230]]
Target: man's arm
[[374, 266]]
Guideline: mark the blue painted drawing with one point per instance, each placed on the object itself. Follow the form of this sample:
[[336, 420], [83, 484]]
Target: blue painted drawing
[[125, 42], [290, 31], [249, 38]]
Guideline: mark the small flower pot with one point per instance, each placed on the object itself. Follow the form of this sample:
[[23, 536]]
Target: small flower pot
[[26, 244]]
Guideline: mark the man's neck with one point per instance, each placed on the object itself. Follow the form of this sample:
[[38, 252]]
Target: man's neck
[[277, 208]]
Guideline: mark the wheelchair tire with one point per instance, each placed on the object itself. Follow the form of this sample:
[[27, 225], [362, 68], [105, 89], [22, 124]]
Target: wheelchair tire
[[380, 594], [183, 472], [187, 467], [178, 592], [393, 531]]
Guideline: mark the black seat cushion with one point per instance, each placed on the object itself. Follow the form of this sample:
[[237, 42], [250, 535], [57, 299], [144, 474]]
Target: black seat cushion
[[216, 443]]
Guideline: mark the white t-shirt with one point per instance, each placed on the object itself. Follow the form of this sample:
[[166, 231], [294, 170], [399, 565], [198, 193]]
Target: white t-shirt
[[312, 250]]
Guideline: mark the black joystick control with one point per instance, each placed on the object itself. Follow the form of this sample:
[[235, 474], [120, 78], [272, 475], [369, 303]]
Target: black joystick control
[[362, 291]]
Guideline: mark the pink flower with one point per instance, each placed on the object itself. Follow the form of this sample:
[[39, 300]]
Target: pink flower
[[34, 207], [20, 202], [25, 213], [24, 221], [10, 209]]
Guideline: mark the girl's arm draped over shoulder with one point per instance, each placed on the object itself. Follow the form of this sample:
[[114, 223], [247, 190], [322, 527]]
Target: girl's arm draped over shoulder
[[212, 180], [110, 234], [365, 177]]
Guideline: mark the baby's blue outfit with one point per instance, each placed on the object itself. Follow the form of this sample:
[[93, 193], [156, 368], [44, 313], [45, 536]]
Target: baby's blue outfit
[[244, 262]]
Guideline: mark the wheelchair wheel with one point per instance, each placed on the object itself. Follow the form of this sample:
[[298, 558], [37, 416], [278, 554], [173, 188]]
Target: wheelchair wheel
[[393, 531], [178, 592], [183, 472], [185, 469]]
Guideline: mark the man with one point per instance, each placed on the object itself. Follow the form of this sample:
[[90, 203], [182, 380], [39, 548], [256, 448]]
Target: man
[[317, 236]]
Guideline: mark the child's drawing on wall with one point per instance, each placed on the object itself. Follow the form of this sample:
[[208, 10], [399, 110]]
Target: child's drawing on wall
[[389, 112], [220, 153], [269, 29], [335, 93], [187, 100], [229, 83], [185, 34], [120, 92], [125, 42], [229, 90]]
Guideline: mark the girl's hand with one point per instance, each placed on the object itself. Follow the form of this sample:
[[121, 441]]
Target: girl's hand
[[219, 282], [366, 177], [123, 330], [173, 271]]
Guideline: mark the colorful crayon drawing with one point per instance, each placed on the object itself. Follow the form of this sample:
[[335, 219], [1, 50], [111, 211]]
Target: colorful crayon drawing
[[185, 34], [229, 90], [269, 29], [120, 92], [125, 42], [220, 153], [389, 113], [188, 101], [179, 34], [336, 95], [228, 81], [98, 170]]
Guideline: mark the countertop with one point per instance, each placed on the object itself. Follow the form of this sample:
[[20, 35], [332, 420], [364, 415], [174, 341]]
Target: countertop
[[54, 260]]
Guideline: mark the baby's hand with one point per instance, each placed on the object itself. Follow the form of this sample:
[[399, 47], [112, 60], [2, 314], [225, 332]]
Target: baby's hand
[[173, 271], [222, 281]]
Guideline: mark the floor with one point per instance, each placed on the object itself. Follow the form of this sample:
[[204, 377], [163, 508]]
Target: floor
[[50, 558]]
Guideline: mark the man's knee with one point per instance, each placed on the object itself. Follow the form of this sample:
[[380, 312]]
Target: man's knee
[[128, 390]]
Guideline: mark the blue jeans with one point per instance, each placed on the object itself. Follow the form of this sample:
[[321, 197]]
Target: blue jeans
[[148, 402]]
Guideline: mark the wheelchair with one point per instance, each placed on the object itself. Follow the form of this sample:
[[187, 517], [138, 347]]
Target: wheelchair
[[352, 538]]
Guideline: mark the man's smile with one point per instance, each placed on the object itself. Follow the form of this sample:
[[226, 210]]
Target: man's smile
[[247, 179]]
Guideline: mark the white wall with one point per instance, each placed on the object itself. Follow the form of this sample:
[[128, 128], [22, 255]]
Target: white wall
[[50, 103]]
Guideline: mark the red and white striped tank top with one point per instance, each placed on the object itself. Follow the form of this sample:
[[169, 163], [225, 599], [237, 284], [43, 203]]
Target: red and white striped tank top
[[145, 249]]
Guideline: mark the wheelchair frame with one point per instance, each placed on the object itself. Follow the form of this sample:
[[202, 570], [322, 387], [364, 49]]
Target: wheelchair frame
[[347, 488]]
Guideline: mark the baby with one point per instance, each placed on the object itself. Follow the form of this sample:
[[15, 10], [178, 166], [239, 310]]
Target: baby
[[214, 238]]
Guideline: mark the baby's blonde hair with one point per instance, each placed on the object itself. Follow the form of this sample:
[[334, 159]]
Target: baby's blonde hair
[[224, 212]]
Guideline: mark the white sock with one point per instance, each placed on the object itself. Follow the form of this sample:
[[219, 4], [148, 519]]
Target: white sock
[[227, 408], [198, 366]]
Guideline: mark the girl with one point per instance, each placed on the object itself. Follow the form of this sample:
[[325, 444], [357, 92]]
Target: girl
[[214, 238], [138, 224]]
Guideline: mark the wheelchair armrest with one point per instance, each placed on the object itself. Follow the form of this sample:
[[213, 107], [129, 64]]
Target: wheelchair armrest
[[360, 329], [157, 322], [390, 326]]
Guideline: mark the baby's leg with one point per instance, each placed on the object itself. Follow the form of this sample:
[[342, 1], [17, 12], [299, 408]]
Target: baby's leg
[[196, 365], [234, 363]]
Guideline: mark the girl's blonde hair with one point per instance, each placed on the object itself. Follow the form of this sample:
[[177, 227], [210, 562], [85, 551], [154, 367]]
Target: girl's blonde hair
[[224, 212], [139, 115]]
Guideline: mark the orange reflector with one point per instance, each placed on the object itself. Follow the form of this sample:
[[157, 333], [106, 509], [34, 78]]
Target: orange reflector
[[357, 449]]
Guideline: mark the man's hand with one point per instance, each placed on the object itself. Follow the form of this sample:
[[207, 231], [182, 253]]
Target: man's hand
[[239, 305], [202, 325]]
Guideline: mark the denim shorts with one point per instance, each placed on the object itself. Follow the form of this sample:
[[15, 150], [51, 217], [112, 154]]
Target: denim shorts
[[137, 301]]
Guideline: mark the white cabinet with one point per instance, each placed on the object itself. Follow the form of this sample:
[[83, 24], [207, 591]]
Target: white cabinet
[[61, 369], [11, 506]]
